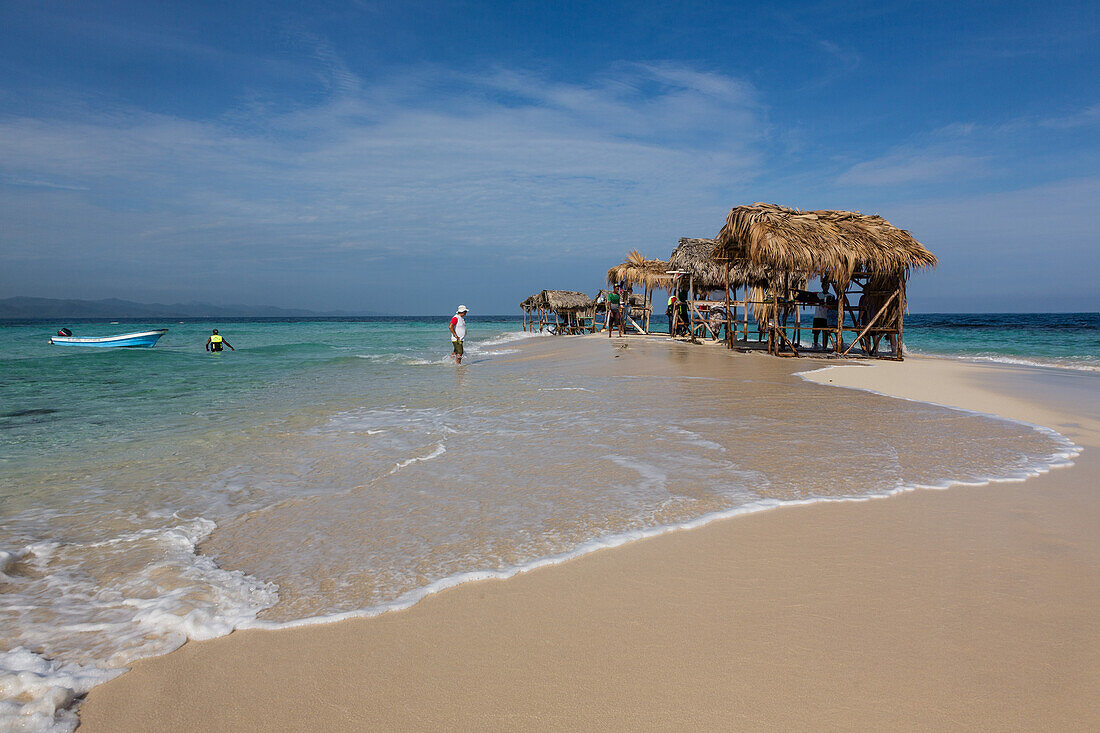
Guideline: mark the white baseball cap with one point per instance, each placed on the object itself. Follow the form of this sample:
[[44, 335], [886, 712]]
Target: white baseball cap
[[462, 309]]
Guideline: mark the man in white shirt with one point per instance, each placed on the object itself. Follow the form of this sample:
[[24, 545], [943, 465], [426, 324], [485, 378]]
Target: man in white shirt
[[458, 332]]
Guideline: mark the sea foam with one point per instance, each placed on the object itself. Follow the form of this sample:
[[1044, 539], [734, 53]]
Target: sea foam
[[79, 613]]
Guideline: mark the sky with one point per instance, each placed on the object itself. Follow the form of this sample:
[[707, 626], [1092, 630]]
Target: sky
[[404, 157]]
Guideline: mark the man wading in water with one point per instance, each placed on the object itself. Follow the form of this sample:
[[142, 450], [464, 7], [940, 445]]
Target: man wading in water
[[458, 332]]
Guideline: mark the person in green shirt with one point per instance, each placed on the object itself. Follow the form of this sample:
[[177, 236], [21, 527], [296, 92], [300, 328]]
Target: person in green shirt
[[614, 310]]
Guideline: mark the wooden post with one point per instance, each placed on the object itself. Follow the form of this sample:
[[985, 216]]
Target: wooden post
[[648, 305], [773, 345], [903, 304], [746, 314], [786, 290], [624, 313], [798, 322], [841, 297], [729, 315]]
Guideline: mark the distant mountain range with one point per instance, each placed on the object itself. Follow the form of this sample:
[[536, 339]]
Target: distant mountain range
[[26, 307]]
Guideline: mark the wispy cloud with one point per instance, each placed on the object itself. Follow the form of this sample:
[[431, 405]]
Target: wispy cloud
[[1082, 118], [847, 59], [501, 163], [914, 166], [479, 156]]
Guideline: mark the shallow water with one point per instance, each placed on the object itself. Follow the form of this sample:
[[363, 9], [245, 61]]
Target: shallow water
[[324, 469]]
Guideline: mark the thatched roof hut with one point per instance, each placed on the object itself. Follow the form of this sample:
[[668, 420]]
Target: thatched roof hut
[[832, 244], [696, 257], [637, 270], [531, 302], [566, 301]]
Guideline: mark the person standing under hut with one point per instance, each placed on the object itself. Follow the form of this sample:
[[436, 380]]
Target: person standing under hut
[[831, 324], [866, 309], [821, 316], [458, 332], [215, 342], [683, 321], [614, 310]]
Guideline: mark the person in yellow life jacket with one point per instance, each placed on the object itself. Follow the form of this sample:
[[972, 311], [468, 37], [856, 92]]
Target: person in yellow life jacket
[[215, 342]]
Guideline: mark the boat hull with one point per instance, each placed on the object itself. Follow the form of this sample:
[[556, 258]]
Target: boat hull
[[140, 339]]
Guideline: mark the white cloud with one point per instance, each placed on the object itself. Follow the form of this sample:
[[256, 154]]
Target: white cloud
[[429, 157], [1083, 118], [924, 166], [848, 58]]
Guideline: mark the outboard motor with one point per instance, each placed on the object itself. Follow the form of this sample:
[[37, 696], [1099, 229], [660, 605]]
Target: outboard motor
[[64, 332]]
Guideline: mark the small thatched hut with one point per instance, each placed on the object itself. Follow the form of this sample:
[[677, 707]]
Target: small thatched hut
[[694, 259], [637, 270], [857, 254], [532, 308], [697, 273], [573, 311], [650, 275]]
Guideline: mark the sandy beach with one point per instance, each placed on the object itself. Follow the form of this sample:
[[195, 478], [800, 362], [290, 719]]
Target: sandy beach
[[973, 607]]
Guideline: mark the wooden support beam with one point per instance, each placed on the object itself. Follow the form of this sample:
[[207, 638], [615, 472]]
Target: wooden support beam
[[871, 323], [784, 337], [691, 304], [902, 305], [729, 316]]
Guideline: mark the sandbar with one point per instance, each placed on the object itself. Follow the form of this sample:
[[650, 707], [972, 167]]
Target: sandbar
[[972, 607]]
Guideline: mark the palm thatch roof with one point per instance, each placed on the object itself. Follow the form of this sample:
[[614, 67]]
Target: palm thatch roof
[[834, 244], [697, 257], [531, 302], [637, 270], [566, 300]]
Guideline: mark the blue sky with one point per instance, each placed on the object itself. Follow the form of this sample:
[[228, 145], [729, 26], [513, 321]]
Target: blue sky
[[404, 157]]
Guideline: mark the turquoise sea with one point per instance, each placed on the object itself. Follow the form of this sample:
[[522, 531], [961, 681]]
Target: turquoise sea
[[56, 399], [1062, 340], [341, 467]]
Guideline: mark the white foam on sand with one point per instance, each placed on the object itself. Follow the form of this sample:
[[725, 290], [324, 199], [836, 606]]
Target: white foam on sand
[[137, 594], [38, 694], [439, 450]]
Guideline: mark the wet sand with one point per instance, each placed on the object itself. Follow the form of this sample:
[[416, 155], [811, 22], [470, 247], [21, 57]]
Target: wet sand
[[975, 607]]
